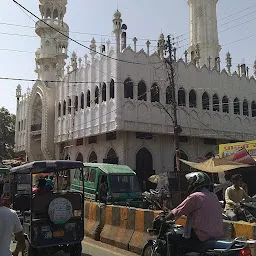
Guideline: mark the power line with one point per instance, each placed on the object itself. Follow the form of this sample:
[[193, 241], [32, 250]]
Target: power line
[[75, 41]]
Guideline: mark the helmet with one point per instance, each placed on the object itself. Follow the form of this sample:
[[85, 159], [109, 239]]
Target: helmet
[[197, 180]]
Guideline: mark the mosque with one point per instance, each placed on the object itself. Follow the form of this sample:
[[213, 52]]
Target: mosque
[[108, 106]]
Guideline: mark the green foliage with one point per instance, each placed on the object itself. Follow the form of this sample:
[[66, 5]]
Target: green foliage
[[7, 133]]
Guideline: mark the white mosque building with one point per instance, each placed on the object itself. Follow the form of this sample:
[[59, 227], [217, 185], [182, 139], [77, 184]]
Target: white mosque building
[[108, 106]]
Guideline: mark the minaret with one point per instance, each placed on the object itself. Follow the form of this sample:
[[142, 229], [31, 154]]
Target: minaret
[[204, 31], [51, 56], [117, 28]]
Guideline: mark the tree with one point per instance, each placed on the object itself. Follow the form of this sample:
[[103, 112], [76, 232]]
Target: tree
[[7, 133]]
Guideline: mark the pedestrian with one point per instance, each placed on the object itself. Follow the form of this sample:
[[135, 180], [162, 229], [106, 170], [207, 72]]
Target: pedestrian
[[10, 224]]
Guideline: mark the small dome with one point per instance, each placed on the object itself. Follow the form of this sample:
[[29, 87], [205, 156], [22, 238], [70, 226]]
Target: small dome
[[161, 36], [117, 15]]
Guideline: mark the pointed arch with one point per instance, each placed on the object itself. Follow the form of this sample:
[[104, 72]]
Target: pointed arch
[[88, 99], [69, 105], [93, 157], [236, 106], [76, 103], [111, 157], [80, 158], [128, 89], [253, 107], [192, 99], [142, 91], [155, 93], [104, 92], [96, 95], [82, 100], [225, 104], [112, 89], [182, 97], [144, 168], [64, 108], [245, 108], [215, 103], [206, 101], [168, 95], [59, 109], [48, 13], [55, 14]]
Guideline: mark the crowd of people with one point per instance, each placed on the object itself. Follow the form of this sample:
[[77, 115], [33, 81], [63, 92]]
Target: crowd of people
[[44, 184]]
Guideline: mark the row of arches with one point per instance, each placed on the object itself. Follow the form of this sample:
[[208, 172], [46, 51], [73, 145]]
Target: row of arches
[[224, 104], [111, 157], [53, 14], [100, 93]]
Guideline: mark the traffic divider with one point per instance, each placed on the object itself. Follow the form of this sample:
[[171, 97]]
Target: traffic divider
[[94, 215], [143, 221], [119, 226]]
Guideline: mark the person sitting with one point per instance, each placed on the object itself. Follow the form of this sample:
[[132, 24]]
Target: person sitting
[[49, 183], [203, 211], [234, 195]]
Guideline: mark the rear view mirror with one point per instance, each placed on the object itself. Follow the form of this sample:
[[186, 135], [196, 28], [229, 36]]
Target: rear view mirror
[[21, 202]]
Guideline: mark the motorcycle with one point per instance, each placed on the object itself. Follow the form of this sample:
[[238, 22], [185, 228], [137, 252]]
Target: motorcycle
[[160, 246]]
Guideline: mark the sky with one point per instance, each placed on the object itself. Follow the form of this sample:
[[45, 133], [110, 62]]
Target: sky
[[145, 19]]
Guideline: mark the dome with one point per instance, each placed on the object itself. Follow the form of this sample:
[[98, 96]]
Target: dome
[[161, 36], [117, 15]]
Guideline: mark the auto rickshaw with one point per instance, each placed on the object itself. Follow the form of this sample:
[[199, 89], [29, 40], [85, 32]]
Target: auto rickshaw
[[53, 220]]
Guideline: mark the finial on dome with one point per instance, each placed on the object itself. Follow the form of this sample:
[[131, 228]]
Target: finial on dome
[[117, 14]]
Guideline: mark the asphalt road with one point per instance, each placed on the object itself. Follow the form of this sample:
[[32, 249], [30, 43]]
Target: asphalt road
[[95, 248]]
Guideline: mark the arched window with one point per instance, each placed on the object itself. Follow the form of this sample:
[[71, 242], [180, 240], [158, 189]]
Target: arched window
[[59, 110], [88, 99], [80, 157], [69, 105], [19, 126], [93, 157], [142, 91], [245, 108], [236, 106], [48, 13], [112, 89], [64, 108], [104, 92], [96, 100], [168, 95], [192, 99], [111, 157], [55, 14], [76, 103], [128, 89], [155, 94], [215, 103], [225, 104], [206, 101], [181, 97], [253, 109], [82, 100]]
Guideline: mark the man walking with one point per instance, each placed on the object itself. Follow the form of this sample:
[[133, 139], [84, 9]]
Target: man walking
[[10, 224]]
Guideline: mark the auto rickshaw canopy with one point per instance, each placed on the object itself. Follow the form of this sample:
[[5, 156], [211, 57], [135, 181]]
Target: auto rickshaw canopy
[[47, 166]]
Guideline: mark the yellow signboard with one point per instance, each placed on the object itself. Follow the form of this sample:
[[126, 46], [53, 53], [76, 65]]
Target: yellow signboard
[[230, 148]]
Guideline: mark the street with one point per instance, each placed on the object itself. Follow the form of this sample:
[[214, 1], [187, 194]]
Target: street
[[96, 248]]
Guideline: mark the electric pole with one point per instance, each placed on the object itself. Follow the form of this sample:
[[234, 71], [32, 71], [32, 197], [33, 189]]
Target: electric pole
[[177, 128]]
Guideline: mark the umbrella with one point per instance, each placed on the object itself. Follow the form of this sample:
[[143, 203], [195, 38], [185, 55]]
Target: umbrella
[[154, 179], [215, 165]]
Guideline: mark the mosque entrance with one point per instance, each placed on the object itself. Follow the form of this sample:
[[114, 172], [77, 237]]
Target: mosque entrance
[[144, 169]]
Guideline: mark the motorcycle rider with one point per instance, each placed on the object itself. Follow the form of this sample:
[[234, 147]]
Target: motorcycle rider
[[203, 211], [234, 195]]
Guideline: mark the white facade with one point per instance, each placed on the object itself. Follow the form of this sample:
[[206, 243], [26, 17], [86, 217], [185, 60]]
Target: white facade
[[109, 105]]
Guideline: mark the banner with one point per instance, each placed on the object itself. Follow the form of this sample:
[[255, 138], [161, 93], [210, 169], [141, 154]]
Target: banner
[[230, 148]]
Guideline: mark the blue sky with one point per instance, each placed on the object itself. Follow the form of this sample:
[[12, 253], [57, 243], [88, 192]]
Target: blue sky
[[145, 20]]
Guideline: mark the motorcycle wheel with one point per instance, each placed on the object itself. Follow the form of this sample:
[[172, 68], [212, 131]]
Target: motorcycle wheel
[[150, 250]]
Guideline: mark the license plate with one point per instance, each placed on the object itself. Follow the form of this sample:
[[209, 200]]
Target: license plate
[[58, 233]]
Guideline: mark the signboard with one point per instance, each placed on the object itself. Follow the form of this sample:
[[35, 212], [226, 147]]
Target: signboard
[[230, 148]]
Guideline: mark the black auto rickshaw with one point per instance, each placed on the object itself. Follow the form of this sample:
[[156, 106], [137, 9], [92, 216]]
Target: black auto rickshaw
[[53, 220]]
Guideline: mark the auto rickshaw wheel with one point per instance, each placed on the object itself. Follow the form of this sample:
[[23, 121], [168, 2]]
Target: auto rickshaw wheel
[[76, 249]]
